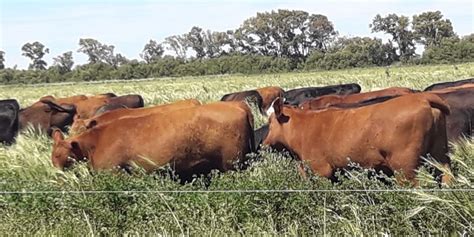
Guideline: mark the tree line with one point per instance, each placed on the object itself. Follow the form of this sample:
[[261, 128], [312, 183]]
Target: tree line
[[275, 41]]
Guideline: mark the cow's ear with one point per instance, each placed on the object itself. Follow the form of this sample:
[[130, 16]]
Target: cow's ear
[[76, 150], [91, 124], [276, 103], [57, 135], [278, 106]]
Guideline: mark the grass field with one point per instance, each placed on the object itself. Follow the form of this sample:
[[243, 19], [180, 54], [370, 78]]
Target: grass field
[[355, 206]]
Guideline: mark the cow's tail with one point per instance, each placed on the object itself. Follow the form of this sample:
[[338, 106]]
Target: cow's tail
[[437, 103], [141, 103], [250, 127]]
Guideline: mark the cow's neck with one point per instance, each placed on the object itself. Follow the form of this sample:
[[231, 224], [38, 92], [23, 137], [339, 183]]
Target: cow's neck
[[87, 142], [291, 139]]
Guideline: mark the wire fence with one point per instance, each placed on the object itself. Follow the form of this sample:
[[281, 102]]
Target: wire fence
[[242, 191]]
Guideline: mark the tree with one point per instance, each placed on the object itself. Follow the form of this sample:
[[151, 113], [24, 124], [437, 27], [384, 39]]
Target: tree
[[320, 32], [152, 51], [178, 44], [64, 62], [430, 28], [398, 27], [285, 33], [97, 52], [120, 60], [451, 50], [214, 43], [35, 51], [195, 40], [2, 60]]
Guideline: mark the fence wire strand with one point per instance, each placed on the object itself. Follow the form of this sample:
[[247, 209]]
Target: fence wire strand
[[244, 191]]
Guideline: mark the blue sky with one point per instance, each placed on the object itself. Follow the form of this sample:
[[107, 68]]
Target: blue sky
[[129, 24]]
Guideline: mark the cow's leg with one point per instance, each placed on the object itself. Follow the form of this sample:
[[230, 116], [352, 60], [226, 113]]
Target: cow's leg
[[405, 163], [438, 150], [301, 170], [322, 168]]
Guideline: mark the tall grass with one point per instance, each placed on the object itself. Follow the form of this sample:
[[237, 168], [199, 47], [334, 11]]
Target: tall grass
[[43, 200]]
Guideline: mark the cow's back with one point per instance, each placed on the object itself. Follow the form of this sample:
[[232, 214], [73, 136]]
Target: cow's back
[[443, 85], [109, 116]]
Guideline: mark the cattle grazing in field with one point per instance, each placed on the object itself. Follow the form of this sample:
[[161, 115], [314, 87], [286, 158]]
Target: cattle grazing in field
[[297, 96], [87, 108], [460, 122], [81, 125], [252, 96], [389, 136], [191, 141], [269, 94], [331, 100], [9, 123], [47, 114], [443, 85]]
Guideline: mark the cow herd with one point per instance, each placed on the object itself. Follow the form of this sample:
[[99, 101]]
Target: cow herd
[[390, 130]]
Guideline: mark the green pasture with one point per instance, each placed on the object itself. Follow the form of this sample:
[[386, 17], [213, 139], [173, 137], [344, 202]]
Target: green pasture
[[35, 198]]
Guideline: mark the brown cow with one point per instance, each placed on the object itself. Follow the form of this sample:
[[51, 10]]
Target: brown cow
[[74, 99], [192, 141], [81, 125], [66, 100], [87, 108], [45, 115], [389, 136], [330, 100], [269, 94]]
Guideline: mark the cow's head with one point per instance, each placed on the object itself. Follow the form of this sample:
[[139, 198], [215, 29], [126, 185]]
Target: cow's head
[[65, 152], [278, 124], [47, 114]]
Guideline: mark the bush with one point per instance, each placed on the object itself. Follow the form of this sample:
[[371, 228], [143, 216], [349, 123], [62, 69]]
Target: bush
[[451, 50]]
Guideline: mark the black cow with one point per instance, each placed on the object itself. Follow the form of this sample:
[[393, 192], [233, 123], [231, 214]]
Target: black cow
[[252, 96], [8, 120], [108, 107], [47, 114], [443, 85], [297, 96], [121, 102], [460, 121]]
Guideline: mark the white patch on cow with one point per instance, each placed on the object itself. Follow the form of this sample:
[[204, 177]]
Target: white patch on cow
[[270, 110]]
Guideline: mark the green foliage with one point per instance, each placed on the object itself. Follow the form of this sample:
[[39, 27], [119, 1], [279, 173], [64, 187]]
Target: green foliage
[[64, 62], [26, 166], [451, 50], [35, 51], [430, 28], [352, 52], [398, 28], [100, 53], [2, 60], [152, 51]]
